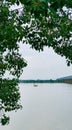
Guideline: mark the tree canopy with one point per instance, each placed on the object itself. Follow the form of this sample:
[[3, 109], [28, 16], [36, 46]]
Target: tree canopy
[[51, 26], [10, 60], [42, 23], [39, 23]]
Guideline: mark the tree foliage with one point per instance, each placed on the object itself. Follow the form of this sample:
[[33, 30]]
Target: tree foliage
[[9, 98], [10, 60], [40, 23], [51, 26], [46, 23]]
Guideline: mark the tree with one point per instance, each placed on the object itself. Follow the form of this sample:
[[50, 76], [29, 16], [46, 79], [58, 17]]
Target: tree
[[51, 26], [40, 23], [10, 60], [9, 98]]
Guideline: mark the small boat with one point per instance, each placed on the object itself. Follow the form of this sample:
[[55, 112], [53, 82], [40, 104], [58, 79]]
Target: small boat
[[35, 85]]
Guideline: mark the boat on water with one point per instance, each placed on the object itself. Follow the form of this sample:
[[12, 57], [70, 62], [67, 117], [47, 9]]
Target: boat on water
[[35, 85]]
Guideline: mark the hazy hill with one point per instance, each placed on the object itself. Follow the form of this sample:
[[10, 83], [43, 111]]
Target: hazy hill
[[65, 78]]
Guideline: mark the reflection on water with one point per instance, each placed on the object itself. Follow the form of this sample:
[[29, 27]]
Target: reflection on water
[[45, 107]]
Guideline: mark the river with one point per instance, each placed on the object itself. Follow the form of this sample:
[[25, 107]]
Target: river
[[45, 107]]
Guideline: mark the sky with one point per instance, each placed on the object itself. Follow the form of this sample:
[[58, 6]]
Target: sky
[[43, 65]]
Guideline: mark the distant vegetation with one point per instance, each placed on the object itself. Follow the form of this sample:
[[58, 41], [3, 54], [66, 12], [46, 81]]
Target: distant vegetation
[[67, 79], [41, 81]]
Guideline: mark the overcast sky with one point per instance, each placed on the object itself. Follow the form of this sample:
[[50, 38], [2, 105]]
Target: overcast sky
[[43, 65]]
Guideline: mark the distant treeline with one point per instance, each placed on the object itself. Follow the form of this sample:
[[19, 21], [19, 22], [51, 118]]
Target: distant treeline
[[41, 81]]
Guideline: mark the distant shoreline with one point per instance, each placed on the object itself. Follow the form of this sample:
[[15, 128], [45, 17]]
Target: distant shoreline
[[47, 81], [67, 79]]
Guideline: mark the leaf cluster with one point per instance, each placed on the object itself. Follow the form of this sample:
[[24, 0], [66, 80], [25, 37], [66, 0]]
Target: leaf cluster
[[10, 60], [9, 97]]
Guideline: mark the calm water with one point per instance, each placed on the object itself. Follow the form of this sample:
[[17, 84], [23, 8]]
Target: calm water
[[46, 107]]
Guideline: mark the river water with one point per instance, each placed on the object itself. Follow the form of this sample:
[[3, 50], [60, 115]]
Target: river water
[[45, 107]]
